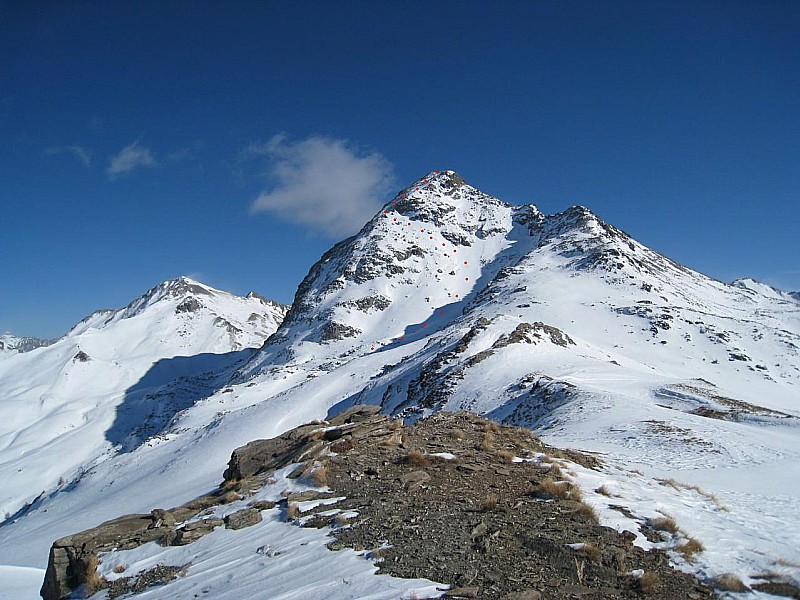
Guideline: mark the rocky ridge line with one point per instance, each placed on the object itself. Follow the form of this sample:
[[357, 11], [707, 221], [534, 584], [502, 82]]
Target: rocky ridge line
[[444, 499]]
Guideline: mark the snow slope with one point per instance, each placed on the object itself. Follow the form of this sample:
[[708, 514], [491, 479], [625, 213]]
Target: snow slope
[[92, 393], [450, 299]]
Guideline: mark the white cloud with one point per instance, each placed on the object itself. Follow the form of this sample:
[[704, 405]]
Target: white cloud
[[129, 158], [79, 152], [325, 184]]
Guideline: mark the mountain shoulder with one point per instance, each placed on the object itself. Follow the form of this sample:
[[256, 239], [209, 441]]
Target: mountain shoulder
[[485, 509]]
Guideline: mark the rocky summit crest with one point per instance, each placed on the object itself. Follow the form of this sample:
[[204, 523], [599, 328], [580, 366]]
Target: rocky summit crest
[[482, 509]]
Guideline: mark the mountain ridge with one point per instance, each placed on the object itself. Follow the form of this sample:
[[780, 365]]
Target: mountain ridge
[[562, 324]]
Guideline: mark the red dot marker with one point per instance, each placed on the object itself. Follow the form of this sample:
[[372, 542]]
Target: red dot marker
[[456, 295], [441, 312], [424, 324], [402, 338], [422, 231], [417, 188], [454, 250], [431, 237], [372, 348], [465, 262], [424, 181], [466, 278], [436, 172], [442, 243]]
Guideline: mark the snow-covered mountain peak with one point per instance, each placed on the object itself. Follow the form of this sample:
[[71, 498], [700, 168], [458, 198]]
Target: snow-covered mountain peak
[[13, 343], [755, 287]]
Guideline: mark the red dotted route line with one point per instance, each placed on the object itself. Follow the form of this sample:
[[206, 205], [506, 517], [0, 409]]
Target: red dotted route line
[[444, 244]]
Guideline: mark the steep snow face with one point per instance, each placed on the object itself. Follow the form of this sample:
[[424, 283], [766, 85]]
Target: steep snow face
[[99, 387], [422, 253]]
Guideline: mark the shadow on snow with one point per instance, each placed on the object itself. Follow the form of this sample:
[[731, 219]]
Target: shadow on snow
[[169, 387]]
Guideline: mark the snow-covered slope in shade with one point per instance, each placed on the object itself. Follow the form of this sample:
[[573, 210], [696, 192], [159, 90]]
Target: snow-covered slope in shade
[[451, 299], [96, 390]]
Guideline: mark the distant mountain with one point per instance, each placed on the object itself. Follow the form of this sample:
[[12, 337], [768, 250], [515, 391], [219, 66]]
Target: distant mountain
[[71, 402], [449, 299], [12, 343]]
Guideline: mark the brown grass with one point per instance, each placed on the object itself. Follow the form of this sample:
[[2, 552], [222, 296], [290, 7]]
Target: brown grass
[[552, 468], [665, 523], [677, 485], [492, 427], [342, 519], [575, 493], [94, 583], [592, 553], [489, 502], [319, 434], [119, 568], [488, 441], [689, 548], [292, 510], [788, 563], [728, 582], [505, 455], [229, 497], [320, 475], [588, 512], [603, 490], [456, 434], [648, 582], [417, 458], [559, 490]]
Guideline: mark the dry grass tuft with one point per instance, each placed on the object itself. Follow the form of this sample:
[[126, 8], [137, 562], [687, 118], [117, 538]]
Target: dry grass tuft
[[120, 568], [342, 519], [677, 485], [665, 523], [689, 548], [456, 434], [94, 583], [592, 553], [648, 582], [505, 455], [492, 427], [292, 510], [588, 512], [417, 458], [489, 502], [552, 468], [316, 435], [728, 582], [604, 491], [488, 441], [229, 497], [320, 475], [559, 490]]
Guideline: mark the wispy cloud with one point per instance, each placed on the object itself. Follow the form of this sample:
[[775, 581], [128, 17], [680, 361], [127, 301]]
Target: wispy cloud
[[79, 152], [131, 157], [187, 152], [328, 185]]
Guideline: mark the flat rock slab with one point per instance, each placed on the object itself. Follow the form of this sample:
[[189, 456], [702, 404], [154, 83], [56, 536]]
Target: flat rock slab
[[243, 518]]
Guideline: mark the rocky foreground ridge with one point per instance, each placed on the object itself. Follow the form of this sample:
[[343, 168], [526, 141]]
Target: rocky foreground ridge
[[485, 509]]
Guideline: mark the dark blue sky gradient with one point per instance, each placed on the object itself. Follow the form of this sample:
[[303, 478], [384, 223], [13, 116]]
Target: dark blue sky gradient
[[676, 121]]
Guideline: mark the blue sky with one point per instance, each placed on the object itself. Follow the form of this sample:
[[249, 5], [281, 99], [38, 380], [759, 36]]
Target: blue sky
[[142, 141]]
